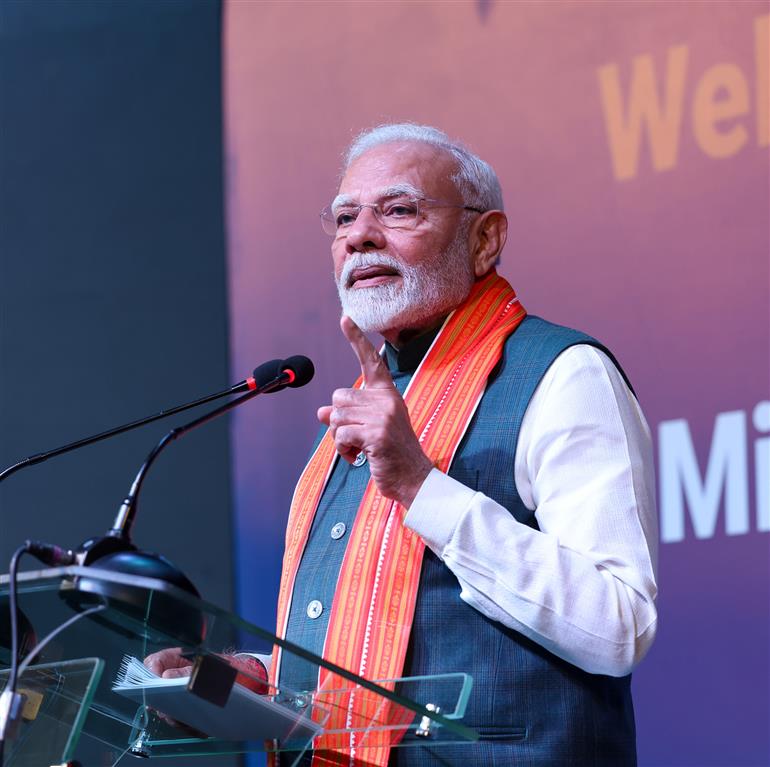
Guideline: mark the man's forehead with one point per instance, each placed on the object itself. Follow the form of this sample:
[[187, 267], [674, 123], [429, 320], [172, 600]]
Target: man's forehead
[[425, 168]]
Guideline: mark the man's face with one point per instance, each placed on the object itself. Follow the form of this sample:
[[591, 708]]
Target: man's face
[[397, 280]]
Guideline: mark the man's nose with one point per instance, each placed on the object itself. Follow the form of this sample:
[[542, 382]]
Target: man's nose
[[366, 233]]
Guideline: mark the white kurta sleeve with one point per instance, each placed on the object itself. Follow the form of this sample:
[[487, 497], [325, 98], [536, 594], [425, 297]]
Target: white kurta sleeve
[[583, 586]]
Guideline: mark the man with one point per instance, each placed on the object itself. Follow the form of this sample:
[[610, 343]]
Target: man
[[524, 502], [494, 509]]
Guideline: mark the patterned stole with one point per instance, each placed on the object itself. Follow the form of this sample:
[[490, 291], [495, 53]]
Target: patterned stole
[[373, 608]]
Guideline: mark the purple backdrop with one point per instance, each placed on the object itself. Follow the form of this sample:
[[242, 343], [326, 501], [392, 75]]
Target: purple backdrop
[[632, 145]]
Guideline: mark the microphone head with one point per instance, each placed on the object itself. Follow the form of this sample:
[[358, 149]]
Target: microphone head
[[295, 371], [302, 369], [267, 372]]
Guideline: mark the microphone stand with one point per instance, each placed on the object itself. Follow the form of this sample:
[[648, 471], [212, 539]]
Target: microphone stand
[[116, 552], [118, 537]]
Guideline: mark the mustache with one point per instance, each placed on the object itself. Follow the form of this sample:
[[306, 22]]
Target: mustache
[[361, 260]]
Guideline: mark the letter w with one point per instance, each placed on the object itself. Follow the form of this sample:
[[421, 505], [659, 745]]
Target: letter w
[[624, 132], [680, 480]]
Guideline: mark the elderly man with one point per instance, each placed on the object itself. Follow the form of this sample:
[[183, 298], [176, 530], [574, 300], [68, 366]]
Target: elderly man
[[494, 511]]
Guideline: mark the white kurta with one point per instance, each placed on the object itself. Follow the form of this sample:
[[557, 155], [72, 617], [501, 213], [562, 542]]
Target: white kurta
[[583, 586]]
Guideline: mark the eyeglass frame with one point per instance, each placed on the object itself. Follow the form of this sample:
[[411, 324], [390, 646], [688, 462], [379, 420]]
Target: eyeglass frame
[[327, 215]]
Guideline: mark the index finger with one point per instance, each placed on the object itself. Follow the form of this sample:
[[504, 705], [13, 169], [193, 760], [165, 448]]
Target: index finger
[[374, 370]]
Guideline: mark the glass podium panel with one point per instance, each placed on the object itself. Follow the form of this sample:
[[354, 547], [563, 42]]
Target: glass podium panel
[[56, 701], [227, 711]]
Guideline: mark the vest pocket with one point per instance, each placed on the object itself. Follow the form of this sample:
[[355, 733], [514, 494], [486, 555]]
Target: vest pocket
[[490, 733]]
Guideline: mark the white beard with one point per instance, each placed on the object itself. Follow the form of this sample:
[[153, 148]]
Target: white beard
[[427, 290]]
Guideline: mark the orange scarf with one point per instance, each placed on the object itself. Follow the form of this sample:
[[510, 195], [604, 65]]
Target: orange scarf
[[373, 608]]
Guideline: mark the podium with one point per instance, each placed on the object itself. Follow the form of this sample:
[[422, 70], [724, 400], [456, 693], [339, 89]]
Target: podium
[[71, 711]]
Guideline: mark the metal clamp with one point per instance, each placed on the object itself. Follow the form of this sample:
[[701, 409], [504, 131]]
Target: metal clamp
[[140, 747], [427, 725]]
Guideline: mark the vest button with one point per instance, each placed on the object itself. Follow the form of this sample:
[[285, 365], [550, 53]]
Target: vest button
[[314, 609], [360, 459], [338, 530]]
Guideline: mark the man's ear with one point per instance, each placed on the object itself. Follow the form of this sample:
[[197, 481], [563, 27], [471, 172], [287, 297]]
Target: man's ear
[[486, 240]]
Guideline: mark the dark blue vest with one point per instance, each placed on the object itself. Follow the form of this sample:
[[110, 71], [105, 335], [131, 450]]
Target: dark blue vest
[[531, 708]]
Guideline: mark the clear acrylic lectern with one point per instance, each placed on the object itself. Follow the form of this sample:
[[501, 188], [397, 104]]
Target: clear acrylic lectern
[[72, 712]]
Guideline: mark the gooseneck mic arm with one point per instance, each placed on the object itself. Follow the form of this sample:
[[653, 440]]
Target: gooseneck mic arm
[[248, 384], [121, 528], [269, 377]]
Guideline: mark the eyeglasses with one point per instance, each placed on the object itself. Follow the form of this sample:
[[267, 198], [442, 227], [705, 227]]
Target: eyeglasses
[[398, 213]]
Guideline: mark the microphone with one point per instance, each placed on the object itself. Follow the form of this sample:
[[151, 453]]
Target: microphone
[[275, 375], [115, 551], [302, 368], [262, 375], [270, 376]]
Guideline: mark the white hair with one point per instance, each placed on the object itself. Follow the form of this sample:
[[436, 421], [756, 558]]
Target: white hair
[[475, 179]]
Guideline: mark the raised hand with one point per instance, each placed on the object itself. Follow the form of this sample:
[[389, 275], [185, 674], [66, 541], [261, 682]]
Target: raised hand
[[375, 420]]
